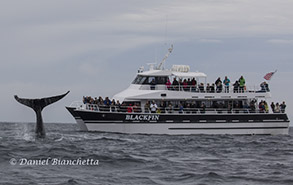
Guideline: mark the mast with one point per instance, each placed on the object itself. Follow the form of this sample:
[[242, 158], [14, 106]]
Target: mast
[[165, 58]]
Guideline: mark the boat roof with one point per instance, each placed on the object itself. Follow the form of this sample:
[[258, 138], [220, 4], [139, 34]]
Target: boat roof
[[173, 73]]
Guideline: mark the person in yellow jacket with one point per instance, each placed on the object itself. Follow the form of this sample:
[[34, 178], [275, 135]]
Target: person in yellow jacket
[[241, 84]]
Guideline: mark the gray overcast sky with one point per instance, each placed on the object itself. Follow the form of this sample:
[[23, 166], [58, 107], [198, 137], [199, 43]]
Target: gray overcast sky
[[95, 47]]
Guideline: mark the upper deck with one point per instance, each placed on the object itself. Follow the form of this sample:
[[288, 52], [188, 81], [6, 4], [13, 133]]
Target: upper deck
[[180, 83]]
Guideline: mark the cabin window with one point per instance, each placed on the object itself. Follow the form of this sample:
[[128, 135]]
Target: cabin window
[[139, 80], [159, 80], [136, 80]]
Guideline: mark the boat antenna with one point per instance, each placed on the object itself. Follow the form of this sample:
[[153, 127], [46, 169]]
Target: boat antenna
[[165, 58]]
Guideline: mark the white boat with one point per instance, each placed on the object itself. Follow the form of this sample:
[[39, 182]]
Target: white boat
[[184, 108]]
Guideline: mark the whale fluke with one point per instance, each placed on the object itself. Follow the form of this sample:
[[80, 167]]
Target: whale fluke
[[38, 105]]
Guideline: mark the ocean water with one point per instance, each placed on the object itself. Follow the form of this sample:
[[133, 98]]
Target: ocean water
[[141, 159]]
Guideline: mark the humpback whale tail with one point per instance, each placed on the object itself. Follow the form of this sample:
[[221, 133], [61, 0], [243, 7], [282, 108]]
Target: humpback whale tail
[[38, 105]]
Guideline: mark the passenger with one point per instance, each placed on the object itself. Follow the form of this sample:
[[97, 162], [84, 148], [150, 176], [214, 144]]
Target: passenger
[[96, 101], [170, 108], [189, 83], [261, 107], [193, 107], [212, 88], [208, 88], [236, 86], [241, 84], [147, 107], [246, 107], [262, 87], [139, 108], [283, 107], [168, 84], [201, 87], [181, 108], [193, 84], [273, 107], [153, 84], [118, 106], [236, 107], [158, 111], [84, 100], [162, 107], [88, 100], [188, 108], [203, 108], [277, 108], [101, 102], [153, 107], [252, 106], [219, 85], [113, 106], [123, 107], [226, 83], [266, 87], [135, 108], [266, 107], [185, 85], [129, 108], [175, 84], [107, 103]]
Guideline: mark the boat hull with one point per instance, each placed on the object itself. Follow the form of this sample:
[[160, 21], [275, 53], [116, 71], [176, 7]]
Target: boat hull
[[181, 124]]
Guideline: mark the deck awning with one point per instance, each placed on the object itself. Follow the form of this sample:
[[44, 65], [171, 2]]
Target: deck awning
[[174, 73], [189, 75]]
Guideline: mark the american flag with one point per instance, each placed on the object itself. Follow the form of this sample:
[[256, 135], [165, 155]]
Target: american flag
[[268, 76]]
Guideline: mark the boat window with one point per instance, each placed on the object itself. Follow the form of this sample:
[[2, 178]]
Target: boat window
[[214, 104], [143, 79], [159, 80], [151, 79], [148, 79], [137, 79]]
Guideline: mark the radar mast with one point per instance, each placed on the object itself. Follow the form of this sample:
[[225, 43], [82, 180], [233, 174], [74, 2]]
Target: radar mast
[[160, 66]]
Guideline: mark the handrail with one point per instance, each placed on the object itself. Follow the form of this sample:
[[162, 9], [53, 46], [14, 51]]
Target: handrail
[[174, 110], [203, 89], [77, 104]]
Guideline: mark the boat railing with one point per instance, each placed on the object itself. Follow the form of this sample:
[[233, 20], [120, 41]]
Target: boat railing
[[205, 89], [173, 110], [78, 105]]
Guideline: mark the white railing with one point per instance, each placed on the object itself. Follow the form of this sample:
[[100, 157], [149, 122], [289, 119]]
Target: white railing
[[201, 89], [78, 105], [174, 110]]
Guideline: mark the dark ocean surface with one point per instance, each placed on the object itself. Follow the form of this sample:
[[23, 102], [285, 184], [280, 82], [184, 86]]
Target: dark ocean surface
[[141, 159]]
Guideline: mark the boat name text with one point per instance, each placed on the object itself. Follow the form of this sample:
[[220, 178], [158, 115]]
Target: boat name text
[[142, 117]]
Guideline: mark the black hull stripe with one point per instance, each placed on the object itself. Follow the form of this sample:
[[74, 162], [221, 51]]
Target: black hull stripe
[[228, 128], [203, 122]]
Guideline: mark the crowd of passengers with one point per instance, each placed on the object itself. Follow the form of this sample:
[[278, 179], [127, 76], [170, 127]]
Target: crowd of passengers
[[180, 107], [218, 86]]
